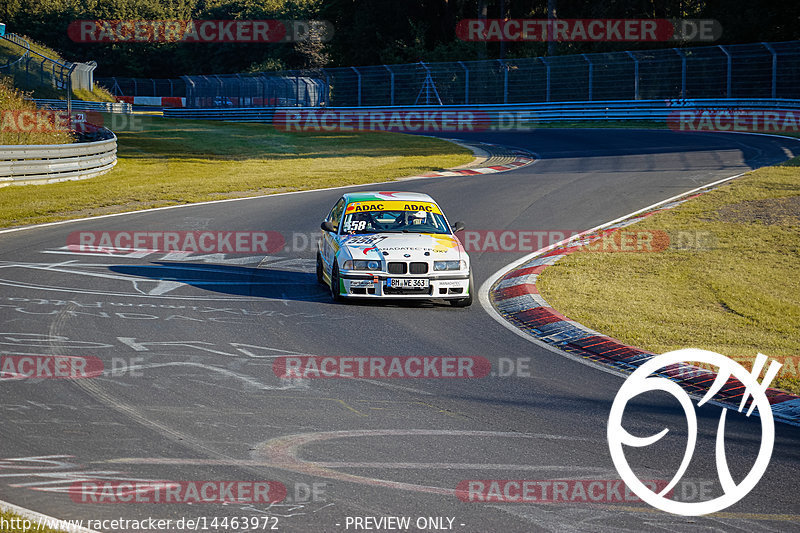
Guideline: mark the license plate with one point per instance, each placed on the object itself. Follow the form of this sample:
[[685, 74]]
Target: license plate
[[405, 283]]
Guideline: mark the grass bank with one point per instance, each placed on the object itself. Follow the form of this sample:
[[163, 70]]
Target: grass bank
[[13, 523], [12, 106], [30, 79], [736, 291], [174, 161]]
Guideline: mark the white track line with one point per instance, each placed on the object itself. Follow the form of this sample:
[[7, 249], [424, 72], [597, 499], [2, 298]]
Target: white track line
[[483, 292]]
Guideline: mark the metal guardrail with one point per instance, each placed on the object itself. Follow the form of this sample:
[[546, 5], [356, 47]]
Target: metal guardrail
[[48, 163], [615, 110], [37, 69], [19, 41], [80, 105]]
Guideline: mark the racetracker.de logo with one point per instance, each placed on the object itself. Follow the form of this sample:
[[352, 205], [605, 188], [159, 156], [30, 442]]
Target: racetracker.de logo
[[775, 120], [454, 120], [199, 31], [171, 492], [49, 367], [549, 490], [381, 367], [48, 121], [207, 241], [589, 30], [531, 240]]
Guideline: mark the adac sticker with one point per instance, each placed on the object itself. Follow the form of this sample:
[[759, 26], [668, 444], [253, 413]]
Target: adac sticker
[[392, 205]]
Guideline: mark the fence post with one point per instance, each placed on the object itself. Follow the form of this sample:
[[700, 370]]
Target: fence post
[[170, 87], [635, 75], [359, 84], [239, 90], [327, 88], [730, 68], [391, 85], [69, 89], [505, 80], [466, 82], [683, 71], [547, 66], [220, 92], [190, 91], [591, 74], [774, 69]]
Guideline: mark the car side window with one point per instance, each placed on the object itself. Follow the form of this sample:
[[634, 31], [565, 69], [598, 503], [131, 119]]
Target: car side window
[[336, 213]]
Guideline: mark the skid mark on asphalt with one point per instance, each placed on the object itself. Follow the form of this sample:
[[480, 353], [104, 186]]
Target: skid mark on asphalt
[[287, 383], [284, 453], [399, 405]]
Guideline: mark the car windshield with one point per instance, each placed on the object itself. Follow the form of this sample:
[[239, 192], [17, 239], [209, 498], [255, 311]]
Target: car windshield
[[394, 222]]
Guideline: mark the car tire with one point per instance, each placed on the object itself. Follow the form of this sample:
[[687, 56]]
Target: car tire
[[335, 294], [320, 277], [464, 302]]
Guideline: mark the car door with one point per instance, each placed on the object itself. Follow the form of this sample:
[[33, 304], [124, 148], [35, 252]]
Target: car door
[[329, 239]]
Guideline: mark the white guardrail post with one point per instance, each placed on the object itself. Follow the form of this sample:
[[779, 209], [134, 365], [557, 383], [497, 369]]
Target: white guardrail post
[[48, 163]]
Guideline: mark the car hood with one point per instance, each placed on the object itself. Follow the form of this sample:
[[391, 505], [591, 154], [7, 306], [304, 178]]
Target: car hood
[[404, 246]]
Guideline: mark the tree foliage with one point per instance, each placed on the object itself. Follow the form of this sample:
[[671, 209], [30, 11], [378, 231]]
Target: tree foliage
[[366, 31]]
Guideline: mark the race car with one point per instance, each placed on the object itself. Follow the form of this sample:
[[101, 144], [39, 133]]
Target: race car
[[392, 245]]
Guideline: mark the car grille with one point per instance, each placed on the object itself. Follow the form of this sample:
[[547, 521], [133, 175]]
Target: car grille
[[419, 268], [397, 268]]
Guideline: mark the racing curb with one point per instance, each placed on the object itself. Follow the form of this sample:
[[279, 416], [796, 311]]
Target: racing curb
[[516, 298], [499, 159]]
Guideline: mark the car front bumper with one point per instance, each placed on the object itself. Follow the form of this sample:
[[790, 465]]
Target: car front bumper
[[445, 285]]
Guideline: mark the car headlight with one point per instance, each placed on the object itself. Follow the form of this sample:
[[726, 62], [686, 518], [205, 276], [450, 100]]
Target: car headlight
[[361, 264], [449, 265]]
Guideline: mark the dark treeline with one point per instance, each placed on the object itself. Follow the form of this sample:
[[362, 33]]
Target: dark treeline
[[367, 32]]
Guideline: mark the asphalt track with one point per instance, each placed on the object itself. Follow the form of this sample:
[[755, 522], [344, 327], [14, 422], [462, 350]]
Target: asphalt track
[[202, 402]]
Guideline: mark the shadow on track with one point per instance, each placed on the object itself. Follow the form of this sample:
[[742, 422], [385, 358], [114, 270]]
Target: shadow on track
[[255, 282]]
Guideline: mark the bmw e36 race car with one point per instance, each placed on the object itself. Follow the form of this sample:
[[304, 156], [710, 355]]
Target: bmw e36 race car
[[393, 245]]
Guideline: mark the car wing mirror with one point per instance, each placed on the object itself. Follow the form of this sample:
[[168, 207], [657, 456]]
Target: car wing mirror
[[458, 226], [327, 225]]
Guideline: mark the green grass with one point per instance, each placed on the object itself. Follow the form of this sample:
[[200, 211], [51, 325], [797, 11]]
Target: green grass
[[739, 297], [30, 80], [8, 517], [616, 124], [182, 161], [12, 102]]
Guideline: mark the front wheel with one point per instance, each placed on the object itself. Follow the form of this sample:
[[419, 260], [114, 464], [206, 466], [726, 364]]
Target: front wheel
[[464, 302], [320, 277], [335, 288]]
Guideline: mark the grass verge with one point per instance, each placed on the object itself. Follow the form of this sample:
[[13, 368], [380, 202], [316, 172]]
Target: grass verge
[[12, 102], [737, 294], [13, 523], [30, 79], [615, 124], [174, 161]]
